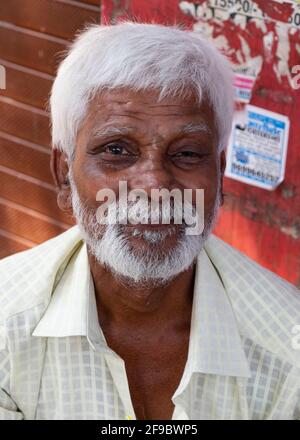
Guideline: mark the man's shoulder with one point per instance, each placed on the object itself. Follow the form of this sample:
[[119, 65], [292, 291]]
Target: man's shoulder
[[27, 277], [236, 262], [266, 306]]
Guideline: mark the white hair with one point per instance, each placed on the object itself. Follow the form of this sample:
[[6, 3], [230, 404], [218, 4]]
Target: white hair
[[139, 56]]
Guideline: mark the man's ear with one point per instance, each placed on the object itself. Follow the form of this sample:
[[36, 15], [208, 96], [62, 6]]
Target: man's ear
[[59, 169], [222, 170]]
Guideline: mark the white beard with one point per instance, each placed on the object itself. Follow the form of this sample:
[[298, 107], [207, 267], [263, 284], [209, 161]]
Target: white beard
[[139, 266]]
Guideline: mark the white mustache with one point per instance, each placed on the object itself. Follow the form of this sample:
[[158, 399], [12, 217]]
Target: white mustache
[[150, 212]]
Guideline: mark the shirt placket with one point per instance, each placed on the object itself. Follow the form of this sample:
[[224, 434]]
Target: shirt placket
[[117, 369]]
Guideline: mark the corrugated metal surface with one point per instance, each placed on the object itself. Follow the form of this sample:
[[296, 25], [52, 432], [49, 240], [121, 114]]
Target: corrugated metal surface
[[33, 34]]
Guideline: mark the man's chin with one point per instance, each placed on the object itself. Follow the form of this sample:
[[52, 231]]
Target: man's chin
[[141, 258]]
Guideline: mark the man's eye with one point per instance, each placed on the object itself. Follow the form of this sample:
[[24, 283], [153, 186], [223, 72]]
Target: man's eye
[[189, 157], [115, 149], [186, 154]]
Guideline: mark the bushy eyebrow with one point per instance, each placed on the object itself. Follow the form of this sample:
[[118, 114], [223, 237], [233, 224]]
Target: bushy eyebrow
[[195, 128], [113, 131]]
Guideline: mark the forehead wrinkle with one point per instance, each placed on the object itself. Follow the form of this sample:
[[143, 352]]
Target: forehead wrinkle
[[143, 112], [167, 110]]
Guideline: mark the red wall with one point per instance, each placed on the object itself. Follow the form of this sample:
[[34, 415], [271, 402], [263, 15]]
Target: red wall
[[263, 224]]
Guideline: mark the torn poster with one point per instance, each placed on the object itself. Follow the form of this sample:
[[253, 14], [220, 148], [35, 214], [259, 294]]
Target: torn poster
[[257, 148]]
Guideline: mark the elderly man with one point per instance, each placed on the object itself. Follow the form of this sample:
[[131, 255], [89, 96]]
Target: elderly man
[[141, 320]]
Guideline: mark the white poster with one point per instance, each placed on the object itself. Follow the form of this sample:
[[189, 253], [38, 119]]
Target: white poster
[[257, 148]]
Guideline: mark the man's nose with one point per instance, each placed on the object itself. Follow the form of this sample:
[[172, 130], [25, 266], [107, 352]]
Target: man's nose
[[152, 174]]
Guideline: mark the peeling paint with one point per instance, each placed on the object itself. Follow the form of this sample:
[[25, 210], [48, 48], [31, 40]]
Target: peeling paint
[[283, 52], [293, 231], [277, 11], [231, 32], [268, 45]]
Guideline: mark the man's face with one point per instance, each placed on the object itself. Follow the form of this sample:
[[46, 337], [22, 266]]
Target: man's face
[[129, 136]]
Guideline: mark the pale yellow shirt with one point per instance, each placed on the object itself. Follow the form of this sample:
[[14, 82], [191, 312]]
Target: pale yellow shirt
[[56, 364]]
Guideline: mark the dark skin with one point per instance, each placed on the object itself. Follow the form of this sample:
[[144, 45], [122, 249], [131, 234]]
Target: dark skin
[[147, 326]]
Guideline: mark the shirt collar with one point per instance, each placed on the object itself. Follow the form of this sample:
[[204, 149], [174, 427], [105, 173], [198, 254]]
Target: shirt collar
[[72, 310], [215, 345]]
